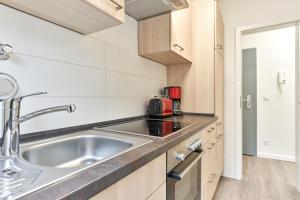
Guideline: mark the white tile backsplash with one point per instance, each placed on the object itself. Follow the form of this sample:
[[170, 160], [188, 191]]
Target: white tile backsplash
[[101, 73]]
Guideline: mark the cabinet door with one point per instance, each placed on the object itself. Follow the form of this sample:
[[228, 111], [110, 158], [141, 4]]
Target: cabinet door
[[208, 170], [203, 57], [219, 65], [205, 190], [140, 184], [198, 80], [220, 154], [214, 177], [181, 32], [159, 194], [85, 16]]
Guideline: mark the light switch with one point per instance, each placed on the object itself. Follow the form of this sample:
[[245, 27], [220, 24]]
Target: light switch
[[266, 98]]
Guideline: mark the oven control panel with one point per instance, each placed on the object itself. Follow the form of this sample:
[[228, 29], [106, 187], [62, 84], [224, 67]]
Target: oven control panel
[[181, 151]]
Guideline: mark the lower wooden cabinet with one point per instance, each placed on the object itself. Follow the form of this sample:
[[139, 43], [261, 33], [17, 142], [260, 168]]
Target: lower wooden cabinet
[[147, 182], [160, 193], [212, 161]]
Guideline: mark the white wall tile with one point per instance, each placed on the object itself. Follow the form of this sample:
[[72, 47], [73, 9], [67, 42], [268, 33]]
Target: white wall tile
[[117, 108], [57, 78], [229, 105], [229, 90], [229, 126], [32, 36], [88, 110], [100, 73], [229, 162]]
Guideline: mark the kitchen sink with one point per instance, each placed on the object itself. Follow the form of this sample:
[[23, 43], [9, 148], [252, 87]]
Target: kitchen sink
[[47, 161], [77, 151]]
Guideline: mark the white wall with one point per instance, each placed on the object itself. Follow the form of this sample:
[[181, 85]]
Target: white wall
[[100, 73], [275, 104], [239, 13]]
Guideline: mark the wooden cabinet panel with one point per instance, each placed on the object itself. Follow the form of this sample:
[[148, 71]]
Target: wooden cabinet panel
[[166, 38], [160, 193], [198, 79], [220, 155], [205, 190], [138, 185], [207, 161], [219, 64], [85, 16], [181, 23], [209, 170], [154, 35]]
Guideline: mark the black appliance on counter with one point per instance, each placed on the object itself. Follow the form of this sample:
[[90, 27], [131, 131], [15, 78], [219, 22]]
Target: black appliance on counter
[[160, 107]]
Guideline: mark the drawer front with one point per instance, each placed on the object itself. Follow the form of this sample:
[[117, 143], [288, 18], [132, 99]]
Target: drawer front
[[139, 185], [205, 190], [208, 159], [220, 154], [208, 133], [220, 129], [160, 193]]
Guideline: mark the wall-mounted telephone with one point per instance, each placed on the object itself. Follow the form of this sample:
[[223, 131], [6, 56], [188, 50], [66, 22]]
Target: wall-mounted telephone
[[281, 78]]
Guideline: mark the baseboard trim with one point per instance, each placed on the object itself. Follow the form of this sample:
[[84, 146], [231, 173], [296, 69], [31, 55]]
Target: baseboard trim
[[277, 157]]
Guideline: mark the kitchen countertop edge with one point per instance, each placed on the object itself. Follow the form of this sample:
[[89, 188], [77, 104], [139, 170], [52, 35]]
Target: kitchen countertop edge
[[92, 181]]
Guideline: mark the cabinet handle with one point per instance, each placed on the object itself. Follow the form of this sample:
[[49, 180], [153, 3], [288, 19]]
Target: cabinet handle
[[119, 7], [219, 136], [219, 46], [212, 145], [212, 180], [180, 47], [212, 128], [219, 123]]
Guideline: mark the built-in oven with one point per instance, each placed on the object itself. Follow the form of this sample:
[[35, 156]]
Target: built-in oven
[[184, 170]]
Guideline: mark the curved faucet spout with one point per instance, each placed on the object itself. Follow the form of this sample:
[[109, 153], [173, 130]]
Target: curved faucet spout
[[69, 108], [11, 123]]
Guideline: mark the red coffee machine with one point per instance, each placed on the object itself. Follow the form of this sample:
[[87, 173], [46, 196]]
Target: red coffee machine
[[174, 93]]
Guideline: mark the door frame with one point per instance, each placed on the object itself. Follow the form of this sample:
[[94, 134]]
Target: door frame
[[238, 94]]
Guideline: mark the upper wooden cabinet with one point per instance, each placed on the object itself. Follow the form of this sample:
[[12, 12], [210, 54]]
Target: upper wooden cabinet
[[219, 65], [198, 79], [82, 16], [202, 81], [167, 38]]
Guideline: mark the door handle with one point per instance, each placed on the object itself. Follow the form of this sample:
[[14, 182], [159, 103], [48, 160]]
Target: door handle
[[182, 169], [180, 47], [119, 7], [248, 101]]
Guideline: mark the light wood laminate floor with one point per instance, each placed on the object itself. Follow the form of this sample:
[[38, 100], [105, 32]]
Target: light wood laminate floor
[[263, 179]]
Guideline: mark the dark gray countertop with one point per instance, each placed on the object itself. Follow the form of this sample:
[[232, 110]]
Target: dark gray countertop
[[90, 182]]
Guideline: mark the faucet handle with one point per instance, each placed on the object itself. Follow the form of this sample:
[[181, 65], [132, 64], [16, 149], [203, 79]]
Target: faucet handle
[[30, 95]]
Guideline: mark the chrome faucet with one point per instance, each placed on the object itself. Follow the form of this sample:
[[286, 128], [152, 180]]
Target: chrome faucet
[[11, 120]]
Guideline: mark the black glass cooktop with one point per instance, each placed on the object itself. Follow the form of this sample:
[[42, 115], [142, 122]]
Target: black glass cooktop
[[150, 127]]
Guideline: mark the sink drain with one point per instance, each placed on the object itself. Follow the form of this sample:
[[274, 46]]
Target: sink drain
[[8, 172]]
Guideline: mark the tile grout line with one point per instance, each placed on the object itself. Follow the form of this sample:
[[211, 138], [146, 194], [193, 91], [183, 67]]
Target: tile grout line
[[87, 66]]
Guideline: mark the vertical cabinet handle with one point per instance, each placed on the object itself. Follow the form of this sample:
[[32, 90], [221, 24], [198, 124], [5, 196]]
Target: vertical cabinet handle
[[213, 178], [119, 7], [180, 47], [219, 46]]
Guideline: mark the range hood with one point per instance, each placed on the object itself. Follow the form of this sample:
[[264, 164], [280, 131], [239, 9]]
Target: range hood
[[140, 9]]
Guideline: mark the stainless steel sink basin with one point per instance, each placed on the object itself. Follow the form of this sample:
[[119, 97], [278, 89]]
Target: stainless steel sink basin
[[78, 151], [45, 162]]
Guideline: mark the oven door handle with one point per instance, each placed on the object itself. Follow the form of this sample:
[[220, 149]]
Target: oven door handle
[[183, 168]]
